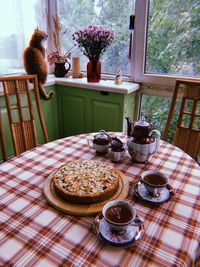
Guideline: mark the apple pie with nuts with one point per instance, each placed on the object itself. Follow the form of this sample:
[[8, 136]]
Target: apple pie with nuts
[[86, 181]]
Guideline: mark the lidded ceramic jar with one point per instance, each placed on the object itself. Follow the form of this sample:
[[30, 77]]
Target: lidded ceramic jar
[[102, 138], [117, 150], [100, 143]]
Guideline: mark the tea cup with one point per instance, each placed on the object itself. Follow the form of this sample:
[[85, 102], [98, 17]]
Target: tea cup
[[154, 182], [119, 214]]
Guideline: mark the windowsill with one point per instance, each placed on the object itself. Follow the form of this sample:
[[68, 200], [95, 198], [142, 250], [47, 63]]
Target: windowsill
[[103, 85]]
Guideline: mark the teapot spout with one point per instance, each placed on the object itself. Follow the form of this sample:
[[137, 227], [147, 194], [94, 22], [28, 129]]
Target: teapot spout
[[129, 126]]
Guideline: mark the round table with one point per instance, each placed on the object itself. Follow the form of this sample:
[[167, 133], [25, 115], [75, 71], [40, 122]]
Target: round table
[[33, 233]]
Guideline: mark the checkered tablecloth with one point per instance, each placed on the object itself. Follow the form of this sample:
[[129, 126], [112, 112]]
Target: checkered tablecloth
[[32, 233]]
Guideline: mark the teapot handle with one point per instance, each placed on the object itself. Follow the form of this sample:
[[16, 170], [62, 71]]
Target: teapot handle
[[69, 66], [157, 138]]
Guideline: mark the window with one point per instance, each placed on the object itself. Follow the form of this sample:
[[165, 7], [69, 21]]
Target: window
[[78, 14], [166, 35], [167, 40], [166, 48], [156, 109], [18, 20]]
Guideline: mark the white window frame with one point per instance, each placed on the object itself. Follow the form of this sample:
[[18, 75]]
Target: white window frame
[[140, 40], [52, 8], [139, 47]]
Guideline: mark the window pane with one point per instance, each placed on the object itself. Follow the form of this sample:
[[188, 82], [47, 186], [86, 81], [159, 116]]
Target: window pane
[[78, 14], [173, 38], [156, 110], [196, 123], [18, 20]]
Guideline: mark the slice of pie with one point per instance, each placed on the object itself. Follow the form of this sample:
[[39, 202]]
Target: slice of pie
[[86, 181]]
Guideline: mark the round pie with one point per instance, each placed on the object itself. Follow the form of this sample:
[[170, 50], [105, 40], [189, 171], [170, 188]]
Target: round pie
[[86, 181]]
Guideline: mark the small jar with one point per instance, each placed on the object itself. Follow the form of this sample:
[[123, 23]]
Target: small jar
[[117, 150]]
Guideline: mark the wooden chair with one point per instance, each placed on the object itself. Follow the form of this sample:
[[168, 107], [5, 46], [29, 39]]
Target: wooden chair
[[21, 113], [2, 139], [187, 134]]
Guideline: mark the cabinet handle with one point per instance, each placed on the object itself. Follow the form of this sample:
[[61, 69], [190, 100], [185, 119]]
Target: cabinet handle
[[104, 93]]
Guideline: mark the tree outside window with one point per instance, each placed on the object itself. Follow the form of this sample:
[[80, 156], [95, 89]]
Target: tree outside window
[[78, 14]]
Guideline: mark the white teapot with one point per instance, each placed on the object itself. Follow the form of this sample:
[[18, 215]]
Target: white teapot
[[141, 142]]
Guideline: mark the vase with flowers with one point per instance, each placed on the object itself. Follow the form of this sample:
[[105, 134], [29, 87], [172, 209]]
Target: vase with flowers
[[59, 61], [58, 57], [93, 42]]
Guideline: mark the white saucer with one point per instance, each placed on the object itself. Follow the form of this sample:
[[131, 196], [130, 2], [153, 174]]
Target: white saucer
[[102, 230], [143, 193]]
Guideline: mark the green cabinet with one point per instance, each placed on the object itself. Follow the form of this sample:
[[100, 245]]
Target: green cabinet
[[77, 110], [71, 114], [50, 112], [85, 110], [106, 114]]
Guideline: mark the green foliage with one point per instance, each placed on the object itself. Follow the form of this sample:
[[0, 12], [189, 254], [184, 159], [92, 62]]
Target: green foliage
[[172, 45], [173, 37], [172, 48], [79, 14], [156, 109]]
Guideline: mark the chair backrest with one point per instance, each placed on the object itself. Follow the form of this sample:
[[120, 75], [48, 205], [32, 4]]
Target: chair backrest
[[21, 113], [187, 134], [2, 139]]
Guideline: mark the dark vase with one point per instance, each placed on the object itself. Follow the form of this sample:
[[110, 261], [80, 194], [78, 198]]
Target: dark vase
[[93, 71], [60, 69]]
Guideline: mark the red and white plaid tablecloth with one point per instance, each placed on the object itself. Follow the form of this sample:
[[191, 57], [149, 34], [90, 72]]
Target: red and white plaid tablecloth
[[32, 233]]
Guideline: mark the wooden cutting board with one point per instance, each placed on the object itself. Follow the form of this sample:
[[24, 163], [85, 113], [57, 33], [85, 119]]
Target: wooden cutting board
[[82, 209]]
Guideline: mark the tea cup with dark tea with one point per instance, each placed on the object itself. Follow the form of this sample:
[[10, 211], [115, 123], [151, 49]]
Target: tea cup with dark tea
[[119, 215], [154, 182]]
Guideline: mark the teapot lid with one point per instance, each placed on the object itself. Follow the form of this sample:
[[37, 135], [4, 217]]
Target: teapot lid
[[142, 122], [102, 135]]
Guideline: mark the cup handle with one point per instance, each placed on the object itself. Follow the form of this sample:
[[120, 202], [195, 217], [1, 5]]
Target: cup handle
[[89, 141], [138, 221]]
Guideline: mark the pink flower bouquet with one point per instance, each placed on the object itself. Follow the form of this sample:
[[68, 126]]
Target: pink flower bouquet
[[93, 40], [54, 56]]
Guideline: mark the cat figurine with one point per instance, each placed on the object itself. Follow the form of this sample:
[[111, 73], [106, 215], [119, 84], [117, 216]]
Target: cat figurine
[[34, 61]]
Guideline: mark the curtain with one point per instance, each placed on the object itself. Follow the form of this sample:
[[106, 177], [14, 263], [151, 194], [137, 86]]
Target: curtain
[[18, 20]]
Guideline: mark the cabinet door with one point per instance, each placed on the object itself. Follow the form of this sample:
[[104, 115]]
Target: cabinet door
[[105, 115], [50, 111], [106, 111], [72, 114], [83, 110]]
